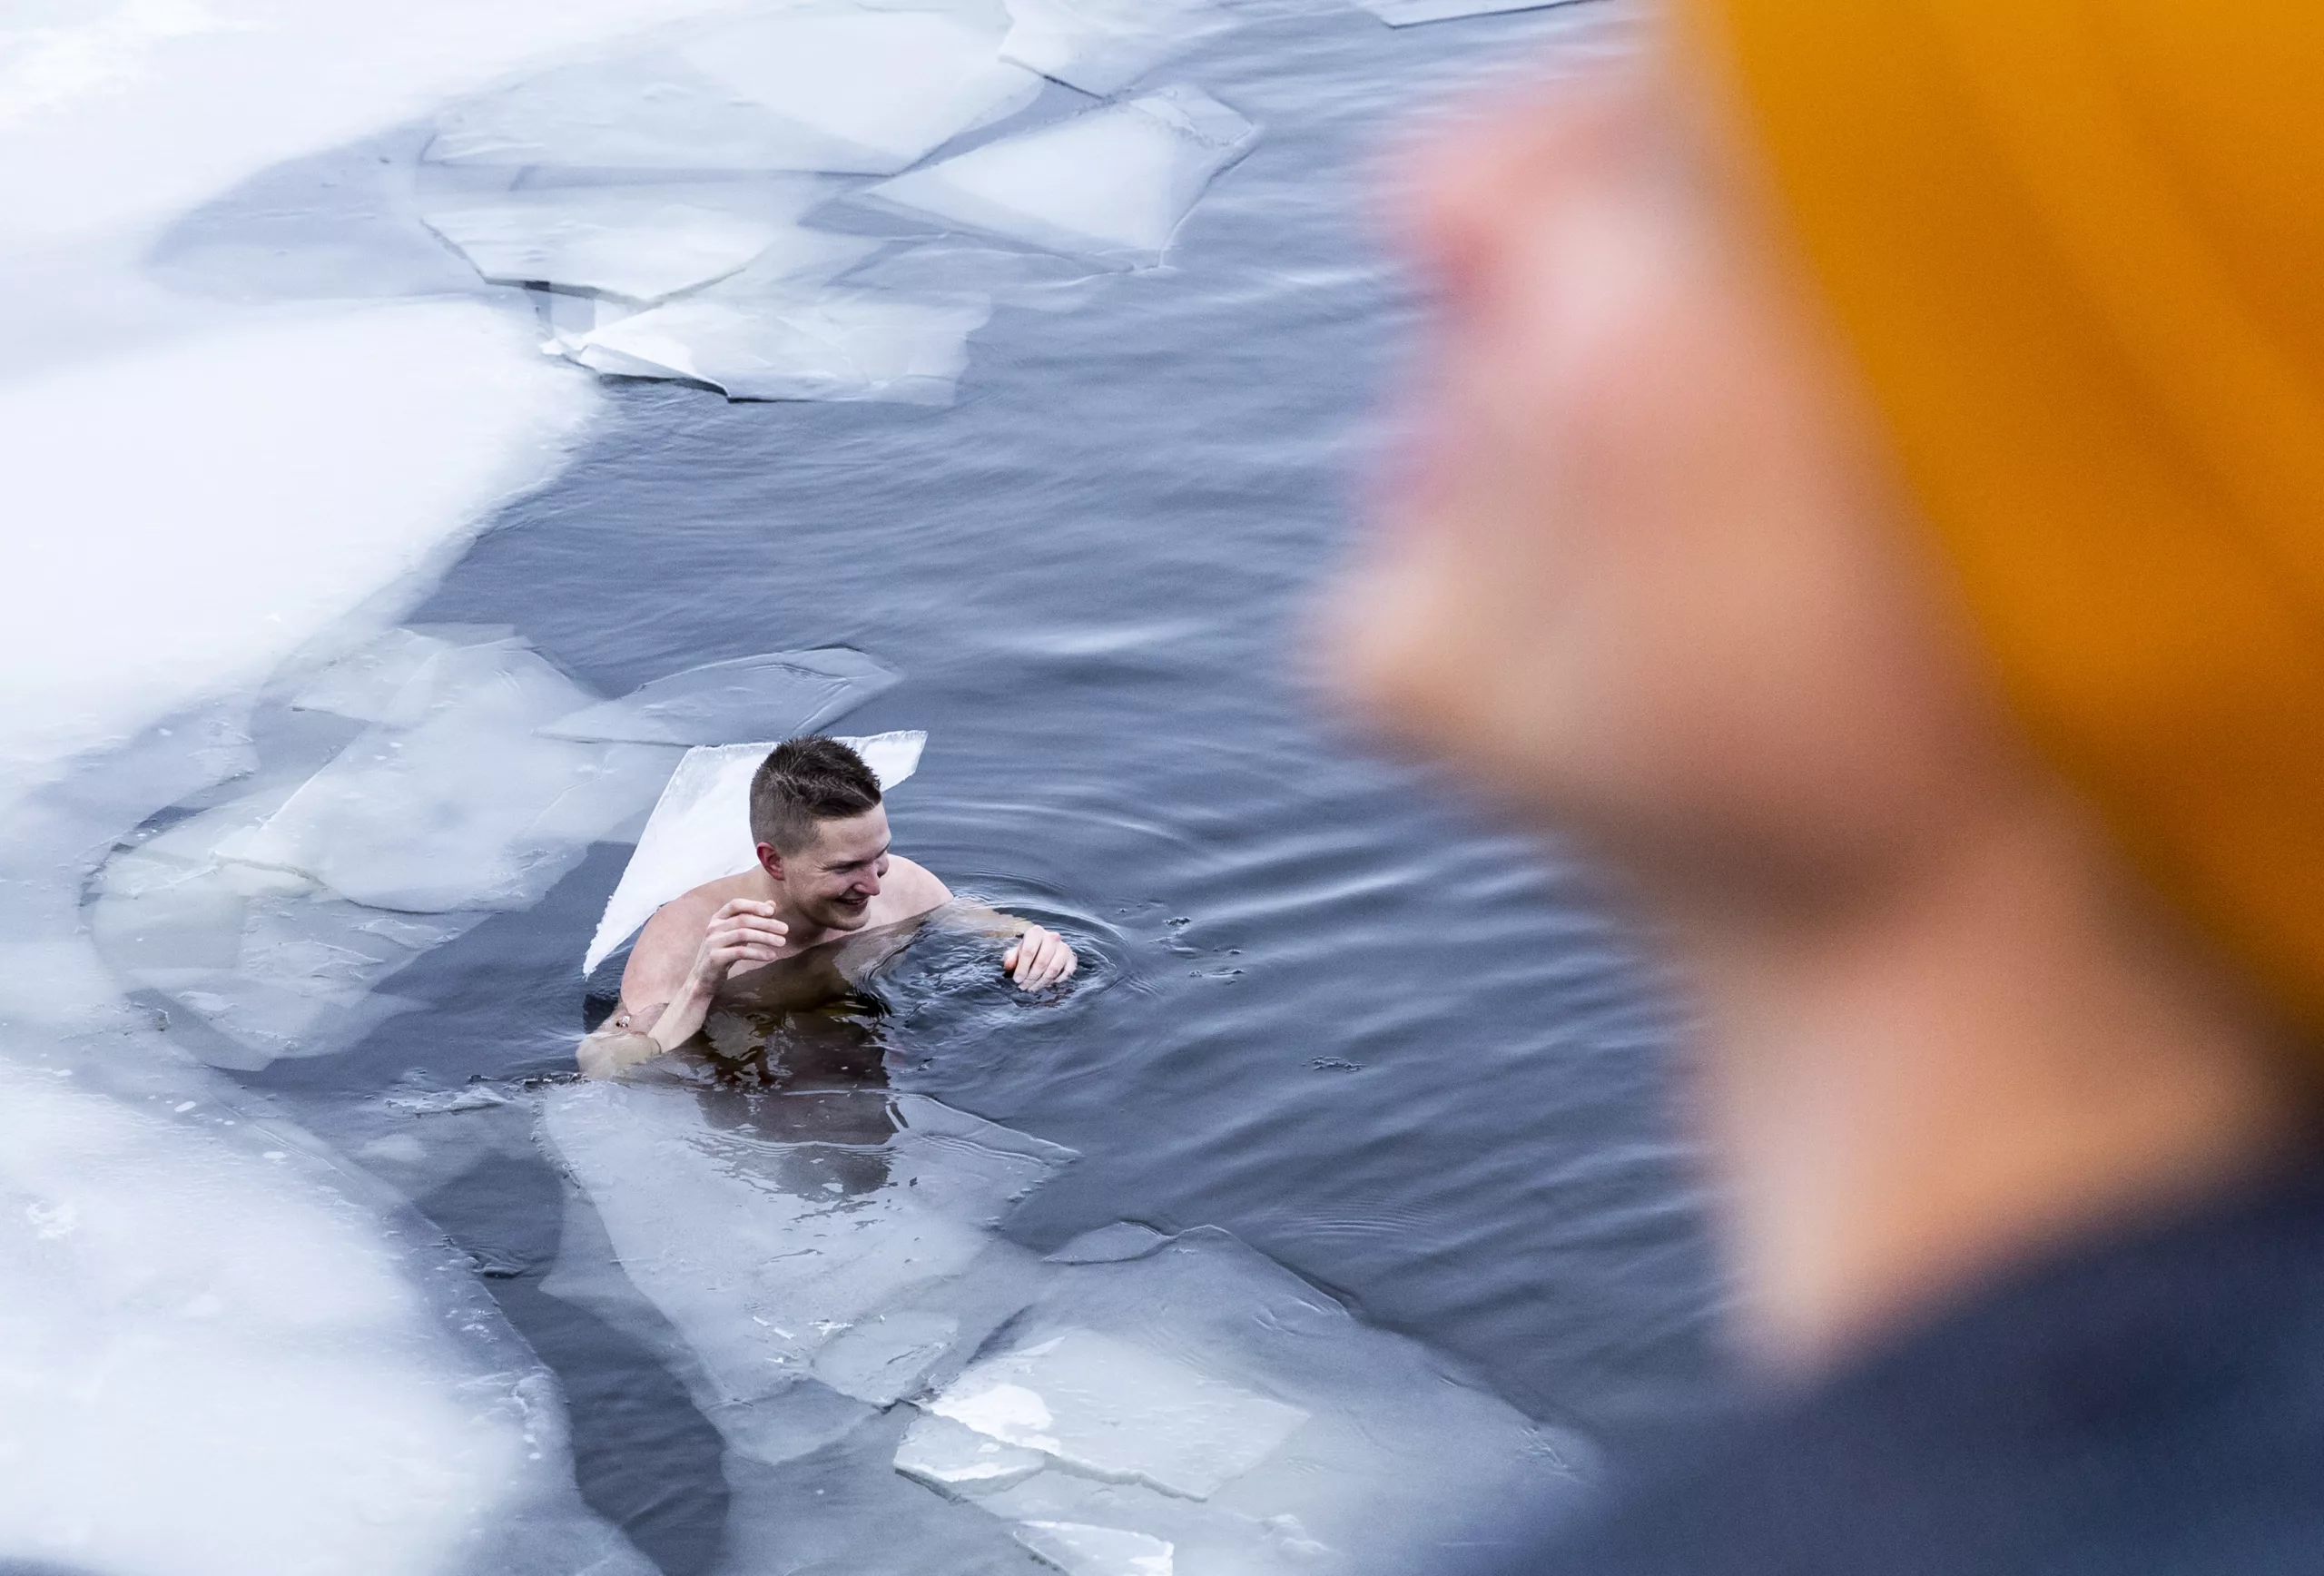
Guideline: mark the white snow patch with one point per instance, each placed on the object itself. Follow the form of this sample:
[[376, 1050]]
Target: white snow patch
[[193, 513]]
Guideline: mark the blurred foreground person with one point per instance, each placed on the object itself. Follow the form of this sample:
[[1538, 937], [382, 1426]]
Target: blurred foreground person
[[1869, 489]]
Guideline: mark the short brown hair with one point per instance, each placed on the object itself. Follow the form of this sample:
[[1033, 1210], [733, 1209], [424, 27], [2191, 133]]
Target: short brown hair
[[802, 782]]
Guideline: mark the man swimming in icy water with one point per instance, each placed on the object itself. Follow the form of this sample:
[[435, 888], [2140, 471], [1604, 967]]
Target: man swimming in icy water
[[826, 904]]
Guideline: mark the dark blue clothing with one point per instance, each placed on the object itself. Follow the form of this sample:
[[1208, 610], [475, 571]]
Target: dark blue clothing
[[2149, 1404]]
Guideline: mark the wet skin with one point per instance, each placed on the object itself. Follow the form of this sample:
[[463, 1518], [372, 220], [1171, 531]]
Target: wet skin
[[804, 909]]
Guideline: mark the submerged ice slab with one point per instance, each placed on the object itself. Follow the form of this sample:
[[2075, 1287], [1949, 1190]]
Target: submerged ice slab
[[1102, 47], [193, 1310], [1405, 13], [837, 88], [642, 243], [1079, 1549], [701, 829], [779, 695], [796, 344], [1115, 1410], [1114, 184], [767, 1253]]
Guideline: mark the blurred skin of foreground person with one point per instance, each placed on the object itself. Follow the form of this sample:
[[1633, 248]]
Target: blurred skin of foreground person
[[1868, 489]]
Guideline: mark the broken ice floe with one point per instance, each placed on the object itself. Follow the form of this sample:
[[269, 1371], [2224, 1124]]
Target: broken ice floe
[[775, 696], [677, 178], [837, 88], [700, 830], [1102, 47], [836, 344], [1405, 13], [846, 1310], [454, 801], [1114, 184], [641, 242], [415, 798]]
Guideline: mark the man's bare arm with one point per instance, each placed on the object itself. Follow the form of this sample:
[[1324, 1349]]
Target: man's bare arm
[[1037, 958], [667, 991]]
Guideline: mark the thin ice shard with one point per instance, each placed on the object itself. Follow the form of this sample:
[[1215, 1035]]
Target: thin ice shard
[[1102, 47], [1405, 13], [701, 829], [778, 696], [642, 242], [796, 344], [1114, 184]]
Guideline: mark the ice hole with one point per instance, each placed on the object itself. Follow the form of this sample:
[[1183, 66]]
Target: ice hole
[[700, 830], [1102, 47], [642, 243], [1114, 184], [777, 695]]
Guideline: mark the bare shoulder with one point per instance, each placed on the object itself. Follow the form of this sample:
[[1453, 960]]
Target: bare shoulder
[[915, 889], [665, 947]]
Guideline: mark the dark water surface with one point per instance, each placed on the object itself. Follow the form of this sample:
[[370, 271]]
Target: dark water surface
[[1402, 1052]]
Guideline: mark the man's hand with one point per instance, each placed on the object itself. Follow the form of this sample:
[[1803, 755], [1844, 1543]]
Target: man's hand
[[1040, 959], [740, 935]]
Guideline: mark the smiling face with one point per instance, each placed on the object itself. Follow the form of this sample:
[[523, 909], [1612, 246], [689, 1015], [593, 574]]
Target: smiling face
[[1645, 570], [832, 880]]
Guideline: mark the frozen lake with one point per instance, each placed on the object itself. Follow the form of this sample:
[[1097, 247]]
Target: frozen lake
[[1336, 1210]]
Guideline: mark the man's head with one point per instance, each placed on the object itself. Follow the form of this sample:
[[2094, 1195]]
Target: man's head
[[821, 831]]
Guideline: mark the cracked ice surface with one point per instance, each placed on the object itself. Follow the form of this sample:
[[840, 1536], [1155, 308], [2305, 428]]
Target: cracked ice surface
[[701, 829], [640, 242], [1102, 47], [1191, 1406], [1405, 13], [1114, 184], [836, 88]]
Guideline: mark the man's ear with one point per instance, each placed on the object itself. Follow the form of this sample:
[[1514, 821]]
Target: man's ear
[[769, 861]]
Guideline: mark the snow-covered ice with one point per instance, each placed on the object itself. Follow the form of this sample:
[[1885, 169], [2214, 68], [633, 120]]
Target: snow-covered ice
[[1114, 184], [777, 695], [701, 829], [1102, 47]]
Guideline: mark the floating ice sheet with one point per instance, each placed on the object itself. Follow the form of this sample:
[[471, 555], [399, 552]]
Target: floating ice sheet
[[1079, 1549], [779, 695], [642, 242], [836, 344], [771, 1253], [833, 88], [1102, 47], [1405, 13], [1114, 1410], [1114, 184], [192, 1309], [452, 800], [700, 830]]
